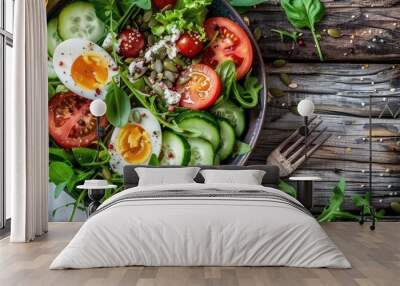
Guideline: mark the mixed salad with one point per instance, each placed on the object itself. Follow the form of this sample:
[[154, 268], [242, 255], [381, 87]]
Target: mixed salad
[[176, 84]]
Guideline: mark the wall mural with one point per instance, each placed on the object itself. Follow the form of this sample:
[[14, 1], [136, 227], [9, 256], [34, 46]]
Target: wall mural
[[163, 106]]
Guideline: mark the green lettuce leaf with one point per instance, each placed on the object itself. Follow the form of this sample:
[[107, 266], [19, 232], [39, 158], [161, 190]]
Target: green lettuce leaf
[[187, 15]]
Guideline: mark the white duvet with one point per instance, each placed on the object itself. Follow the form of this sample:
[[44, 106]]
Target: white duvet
[[200, 231]]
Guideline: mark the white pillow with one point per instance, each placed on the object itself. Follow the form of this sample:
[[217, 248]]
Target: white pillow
[[248, 177], [166, 176]]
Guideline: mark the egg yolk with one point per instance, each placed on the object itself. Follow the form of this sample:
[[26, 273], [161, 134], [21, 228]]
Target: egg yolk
[[134, 144], [90, 71]]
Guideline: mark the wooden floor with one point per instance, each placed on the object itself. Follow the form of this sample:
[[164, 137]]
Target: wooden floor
[[375, 257]]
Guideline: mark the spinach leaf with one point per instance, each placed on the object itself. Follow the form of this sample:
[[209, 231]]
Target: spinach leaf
[[333, 210], [84, 155], [287, 188], [126, 4], [60, 172], [57, 154], [227, 73], [118, 105], [59, 188], [107, 11], [246, 3], [247, 95], [305, 14]]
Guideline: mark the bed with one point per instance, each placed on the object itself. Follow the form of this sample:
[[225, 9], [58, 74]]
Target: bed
[[198, 224]]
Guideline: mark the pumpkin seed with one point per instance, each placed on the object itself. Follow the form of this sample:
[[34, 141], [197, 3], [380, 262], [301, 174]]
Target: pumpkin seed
[[158, 90], [162, 53], [147, 81], [160, 76], [179, 61], [151, 40], [169, 65], [293, 85], [184, 79], [158, 66], [285, 78], [257, 33], [136, 116], [170, 75], [279, 63], [129, 60], [334, 33], [395, 206], [168, 83], [276, 92], [147, 16]]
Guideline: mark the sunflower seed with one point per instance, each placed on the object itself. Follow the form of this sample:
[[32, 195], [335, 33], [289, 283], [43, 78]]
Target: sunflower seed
[[170, 75], [147, 16], [158, 66], [169, 65], [257, 33]]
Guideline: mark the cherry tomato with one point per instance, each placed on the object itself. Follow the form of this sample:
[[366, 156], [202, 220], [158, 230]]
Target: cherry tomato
[[70, 122], [189, 45], [131, 42], [231, 43], [160, 4], [200, 87]]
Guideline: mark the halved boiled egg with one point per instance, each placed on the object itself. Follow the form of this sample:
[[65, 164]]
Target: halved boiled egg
[[84, 67], [134, 143]]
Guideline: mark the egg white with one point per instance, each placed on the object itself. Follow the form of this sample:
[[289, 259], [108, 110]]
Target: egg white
[[150, 124], [65, 55]]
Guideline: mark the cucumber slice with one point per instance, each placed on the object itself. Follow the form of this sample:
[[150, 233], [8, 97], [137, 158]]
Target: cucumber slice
[[202, 152], [51, 74], [199, 114], [53, 39], [233, 113], [208, 129], [175, 149], [79, 20], [227, 138]]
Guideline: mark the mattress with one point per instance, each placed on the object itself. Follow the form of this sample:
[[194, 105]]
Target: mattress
[[201, 225]]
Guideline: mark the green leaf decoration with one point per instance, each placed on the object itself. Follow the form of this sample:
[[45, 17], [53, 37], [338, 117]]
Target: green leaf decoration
[[57, 154], [247, 95], [364, 203], [118, 105], [333, 210], [227, 73], [305, 14], [287, 188]]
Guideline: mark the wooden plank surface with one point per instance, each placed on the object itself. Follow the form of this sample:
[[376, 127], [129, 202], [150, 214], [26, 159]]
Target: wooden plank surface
[[369, 32], [341, 95], [375, 259]]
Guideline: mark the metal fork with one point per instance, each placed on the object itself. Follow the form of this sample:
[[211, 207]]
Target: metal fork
[[289, 157]]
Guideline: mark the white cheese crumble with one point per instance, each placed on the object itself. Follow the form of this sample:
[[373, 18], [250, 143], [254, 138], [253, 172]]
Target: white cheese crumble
[[168, 42], [107, 43], [136, 67], [171, 97]]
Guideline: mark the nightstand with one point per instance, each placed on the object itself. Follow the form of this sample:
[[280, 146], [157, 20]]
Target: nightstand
[[305, 189], [96, 192]]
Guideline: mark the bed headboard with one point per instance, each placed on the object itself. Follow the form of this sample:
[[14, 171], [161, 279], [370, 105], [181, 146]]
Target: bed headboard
[[271, 178]]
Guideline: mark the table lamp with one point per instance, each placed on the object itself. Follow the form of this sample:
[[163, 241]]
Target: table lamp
[[98, 108], [305, 108]]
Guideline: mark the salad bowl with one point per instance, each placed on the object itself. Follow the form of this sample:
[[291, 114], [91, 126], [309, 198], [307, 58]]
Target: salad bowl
[[254, 116]]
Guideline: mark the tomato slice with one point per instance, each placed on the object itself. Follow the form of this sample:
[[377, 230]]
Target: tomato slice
[[200, 87], [70, 122], [231, 43]]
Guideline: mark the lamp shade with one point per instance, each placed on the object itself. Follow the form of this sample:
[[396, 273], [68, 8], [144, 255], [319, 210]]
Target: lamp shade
[[98, 107], [305, 107]]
